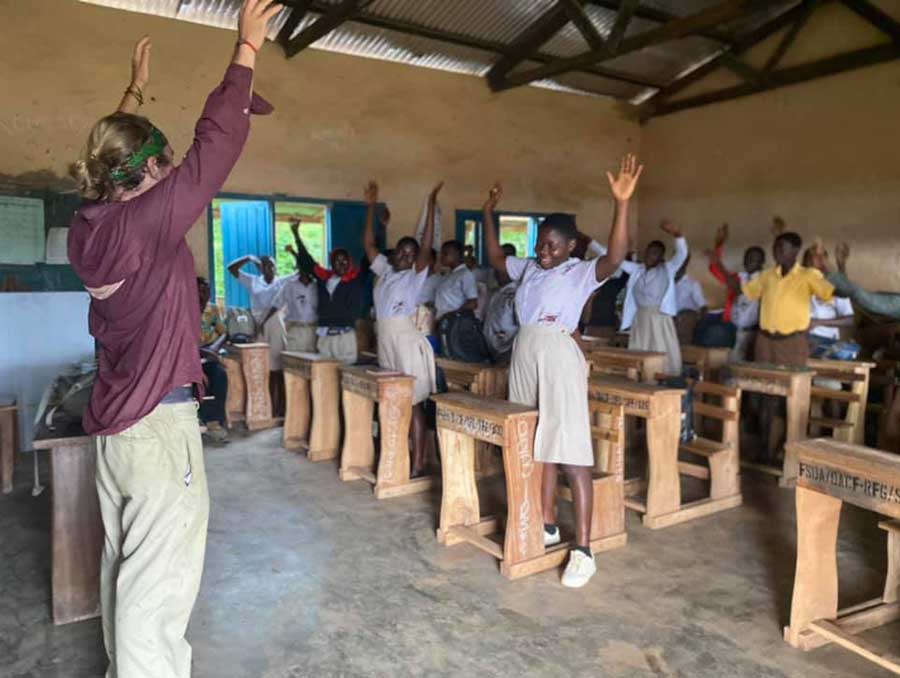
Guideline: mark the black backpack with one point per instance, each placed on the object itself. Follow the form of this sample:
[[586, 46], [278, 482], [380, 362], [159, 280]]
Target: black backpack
[[462, 338]]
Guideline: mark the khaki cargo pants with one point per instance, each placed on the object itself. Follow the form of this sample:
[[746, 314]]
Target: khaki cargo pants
[[155, 507]]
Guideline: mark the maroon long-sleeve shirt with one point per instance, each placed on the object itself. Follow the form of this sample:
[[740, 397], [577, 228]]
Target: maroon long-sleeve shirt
[[149, 329]]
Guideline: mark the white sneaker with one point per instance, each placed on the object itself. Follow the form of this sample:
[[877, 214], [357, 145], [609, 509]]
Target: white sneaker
[[551, 538], [579, 571]]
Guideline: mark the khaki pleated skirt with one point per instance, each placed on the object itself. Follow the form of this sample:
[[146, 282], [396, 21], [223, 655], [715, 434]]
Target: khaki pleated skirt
[[653, 330], [273, 333], [549, 371], [403, 348]]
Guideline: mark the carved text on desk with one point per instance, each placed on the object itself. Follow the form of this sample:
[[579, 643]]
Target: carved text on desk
[[255, 372], [632, 404], [368, 388], [844, 485], [480, 429], [392, 412], [526, 462]]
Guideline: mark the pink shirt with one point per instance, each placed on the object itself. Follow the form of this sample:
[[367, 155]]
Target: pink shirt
[[147, 332]]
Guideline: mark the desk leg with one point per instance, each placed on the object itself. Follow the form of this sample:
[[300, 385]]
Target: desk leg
[[797, 426], [524, 539], [816, 578], [394, 417], [236, 400], [459, 493], [77, 534], [664, 482], [358, 453], [256, 376], [297, 410], [326, 424], [7, 449]]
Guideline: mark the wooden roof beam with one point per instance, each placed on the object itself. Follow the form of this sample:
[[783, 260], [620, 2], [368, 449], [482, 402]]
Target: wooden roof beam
[[324, 25], [875, 16]]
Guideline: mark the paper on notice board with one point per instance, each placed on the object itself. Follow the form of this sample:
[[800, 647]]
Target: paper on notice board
[[21, 230]]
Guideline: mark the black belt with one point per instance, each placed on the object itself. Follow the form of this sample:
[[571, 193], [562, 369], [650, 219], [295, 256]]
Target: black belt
[[179, 394], [775, 336]]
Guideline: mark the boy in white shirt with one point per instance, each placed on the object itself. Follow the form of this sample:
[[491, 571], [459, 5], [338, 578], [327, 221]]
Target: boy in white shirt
[[690, 302], [456, 291], [299, 296]]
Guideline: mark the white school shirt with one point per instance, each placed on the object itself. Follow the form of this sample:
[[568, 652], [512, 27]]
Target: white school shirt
[[637, 271], [689, 294], [396, 291], [454, 290], [744, 311], [429, 287], [552, 296], [301, 301], [262, 294], [838, 307]]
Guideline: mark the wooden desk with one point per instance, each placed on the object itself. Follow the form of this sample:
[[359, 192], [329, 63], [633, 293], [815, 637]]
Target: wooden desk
[[8, 445], [793, 384], [661, 407], [831, 473], [362, 387], [647, 363], [485, 380], [248, 397], [310, 377], [706, 359], [854, 374], [76, 528]]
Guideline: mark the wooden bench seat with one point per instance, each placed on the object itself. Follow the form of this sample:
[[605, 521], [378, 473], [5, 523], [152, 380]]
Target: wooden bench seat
[[835, 424], [853, 377]]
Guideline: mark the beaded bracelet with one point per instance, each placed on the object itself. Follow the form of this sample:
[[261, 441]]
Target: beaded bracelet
[[249, 44]]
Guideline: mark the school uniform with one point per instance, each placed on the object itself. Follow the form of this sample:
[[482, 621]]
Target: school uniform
[[454, 290], [651, 305], [425, 314], [548, 369], [300, 302], [500, 322], [401, 346], [262, 298]]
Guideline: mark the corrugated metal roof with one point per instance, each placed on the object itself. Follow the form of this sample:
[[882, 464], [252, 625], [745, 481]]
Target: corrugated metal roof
[[480, 29]]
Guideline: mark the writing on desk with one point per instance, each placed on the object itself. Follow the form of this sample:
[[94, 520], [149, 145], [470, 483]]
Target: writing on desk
[[847, 483]]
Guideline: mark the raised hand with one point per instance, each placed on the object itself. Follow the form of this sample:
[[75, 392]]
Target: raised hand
[[295, 226], [721, 235], [494, 196], [432, 197], [290, 249], [253, 24], [778, 226], [668, 227], [841, 254], [140, 63], [625, 182], [371, 192]]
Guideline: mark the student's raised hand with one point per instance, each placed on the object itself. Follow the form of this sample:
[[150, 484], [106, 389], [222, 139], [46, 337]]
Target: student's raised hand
[[778, 226], [841, 254], [721, 234], [668, 227], [290, 249], [432, 197], [295, 226], [494, 196], [623, 184], [371, 192], [253, 24], [140, 63]]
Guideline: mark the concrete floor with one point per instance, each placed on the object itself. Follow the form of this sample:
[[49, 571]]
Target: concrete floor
[[307, 576]]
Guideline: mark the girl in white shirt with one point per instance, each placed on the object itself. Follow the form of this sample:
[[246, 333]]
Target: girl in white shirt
[[401, 346], [548, 369], [650, 301]]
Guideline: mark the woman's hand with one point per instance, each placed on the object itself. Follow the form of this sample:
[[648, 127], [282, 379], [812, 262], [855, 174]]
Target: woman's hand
[[140, 63], [253, 24], [721, 235], [625, 182], [432, 197], [494, 196], [371, 192], [668, 227]]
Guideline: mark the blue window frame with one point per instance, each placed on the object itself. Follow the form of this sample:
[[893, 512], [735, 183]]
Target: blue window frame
[[517, 228]]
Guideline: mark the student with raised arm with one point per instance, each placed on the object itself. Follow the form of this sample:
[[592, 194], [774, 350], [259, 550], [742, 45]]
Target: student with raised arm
[[127, 245], [401, 346], [650, 299], [548, 369]]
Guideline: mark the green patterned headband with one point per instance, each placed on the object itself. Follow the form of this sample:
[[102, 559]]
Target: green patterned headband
[[154, 145]]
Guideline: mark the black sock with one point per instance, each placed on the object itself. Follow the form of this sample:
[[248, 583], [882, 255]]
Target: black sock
[[585, 550], [549, 527]]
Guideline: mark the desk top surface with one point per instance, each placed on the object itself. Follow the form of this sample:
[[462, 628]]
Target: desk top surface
[[243, 347], [607, 383], [61, 435], [308, 357], [624, 352], [769, 370], [481, 407], [474, 368], [374, 373], [848, 365]]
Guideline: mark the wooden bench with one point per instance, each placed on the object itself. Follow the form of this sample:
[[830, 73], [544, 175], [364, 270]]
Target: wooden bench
[[794, 385], [648, 364], [312, 418], [481, 379], [76, 528], [248, 398], [833, 472], [854, 375], [722, 456], [362, 387], [707, 360], [8, 445], [463, 419], [660, 406]]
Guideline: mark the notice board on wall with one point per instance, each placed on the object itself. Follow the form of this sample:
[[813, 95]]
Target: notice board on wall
[[21, 230]]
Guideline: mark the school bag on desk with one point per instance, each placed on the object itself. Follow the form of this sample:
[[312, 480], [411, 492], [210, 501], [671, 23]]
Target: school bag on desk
[[462, 338], [241, 326]]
